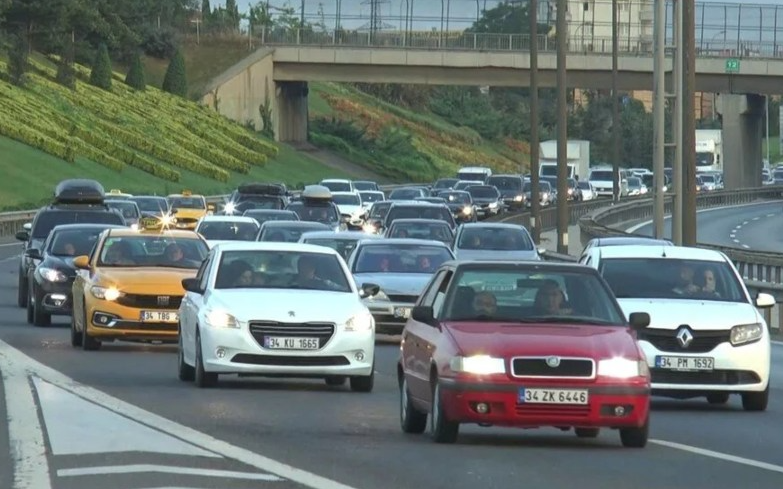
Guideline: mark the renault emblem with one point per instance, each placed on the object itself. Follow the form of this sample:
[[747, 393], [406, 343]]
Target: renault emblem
[[291, 314], [684, 337], [553, 362], [163, 300]]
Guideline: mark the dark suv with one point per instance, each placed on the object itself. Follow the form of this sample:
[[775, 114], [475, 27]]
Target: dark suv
[[75, 201]]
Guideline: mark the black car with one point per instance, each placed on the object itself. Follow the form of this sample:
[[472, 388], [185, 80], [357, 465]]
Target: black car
[[51, 280], [487, 200], [316, 205], [257, 196], [419, 210], [511, 188], [75, 201], [460, 203]]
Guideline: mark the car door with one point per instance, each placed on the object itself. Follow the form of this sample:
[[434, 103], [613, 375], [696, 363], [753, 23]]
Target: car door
[[192, 302], [412, 337], [432, 336], [81, 284]]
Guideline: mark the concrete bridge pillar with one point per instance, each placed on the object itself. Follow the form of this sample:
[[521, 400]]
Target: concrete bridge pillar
[[742, 137], [290, 111]]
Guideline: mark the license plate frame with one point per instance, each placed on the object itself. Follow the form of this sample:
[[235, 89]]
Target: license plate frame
[[681, 363], [166, 317], [553, 396], [292, 343]]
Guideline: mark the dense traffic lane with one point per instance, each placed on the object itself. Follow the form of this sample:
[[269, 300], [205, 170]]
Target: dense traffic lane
[[355, 438], [757, 226]]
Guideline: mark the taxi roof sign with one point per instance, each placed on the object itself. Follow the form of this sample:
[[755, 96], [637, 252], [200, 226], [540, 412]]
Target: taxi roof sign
[[187, 193]]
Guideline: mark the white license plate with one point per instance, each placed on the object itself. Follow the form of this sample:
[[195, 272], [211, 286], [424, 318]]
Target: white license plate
[[552, 396], [159, 316], [282, 343], [685, 363], [402, 312]]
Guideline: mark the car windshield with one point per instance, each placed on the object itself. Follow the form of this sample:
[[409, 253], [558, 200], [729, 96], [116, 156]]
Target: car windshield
[[158, 205], [542, 186], [326, 214], [483, 192], [346, 199], [493, 294], [708, 178], [456, 197], [129, 210], [495, 239], [271, 202], [73, 242], [426, 211], [365, 185], [342, 246], [187, 203], [398, 258], [337, 186], [445, 183], [288, 234], [45, 221], [505, 183], [267, 269], [601, 176], [405, 194], [263, 216], [228, 230], [584, 185], [437, 230], [379, 210], [634, 182], [152, 251], [668, 278], [370, 197]]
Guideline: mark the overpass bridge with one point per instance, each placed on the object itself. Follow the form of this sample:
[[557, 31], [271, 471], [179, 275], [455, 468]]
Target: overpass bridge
[[273, 79]]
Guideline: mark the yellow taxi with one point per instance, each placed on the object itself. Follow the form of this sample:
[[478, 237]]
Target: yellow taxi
[[117, 194], [130, 288], [187, 209]]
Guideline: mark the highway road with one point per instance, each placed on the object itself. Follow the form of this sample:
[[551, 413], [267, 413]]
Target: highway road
[[119, 418], [757, 227]]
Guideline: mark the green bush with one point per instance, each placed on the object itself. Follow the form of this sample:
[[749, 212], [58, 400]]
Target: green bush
[[136, 78], [101, 69], [175, 81]]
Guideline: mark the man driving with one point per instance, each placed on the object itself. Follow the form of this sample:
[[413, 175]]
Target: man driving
[[550, 299], [485, 304]]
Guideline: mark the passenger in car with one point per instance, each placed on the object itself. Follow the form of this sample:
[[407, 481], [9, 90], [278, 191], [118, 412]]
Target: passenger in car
[[485, 304], [709, 283], [550, 299], [686, 285]]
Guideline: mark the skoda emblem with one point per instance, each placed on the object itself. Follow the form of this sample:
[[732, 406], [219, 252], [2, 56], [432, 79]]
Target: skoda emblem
[[291, 314], [163, 300], [553, 362], [684, 337]]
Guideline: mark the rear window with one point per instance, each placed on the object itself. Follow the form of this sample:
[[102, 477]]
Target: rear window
[[440, 213], [505, 183], [601, 176], [483, 192], [326, 214], [337, 186], [45, 221]]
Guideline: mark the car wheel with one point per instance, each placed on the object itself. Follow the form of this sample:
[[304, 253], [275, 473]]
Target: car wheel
[[587, 432], [21, 292], [40, 317], [635, 437], [88, 342], [203, 378], [185, 372], [363, 383], [335, 380], [443, 430], [411, 419], [718, 398], [76, 337], [755, 401]]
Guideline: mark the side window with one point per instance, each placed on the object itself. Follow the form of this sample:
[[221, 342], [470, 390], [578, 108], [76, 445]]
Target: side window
[[428, 296], [440, 297], [203, 273]]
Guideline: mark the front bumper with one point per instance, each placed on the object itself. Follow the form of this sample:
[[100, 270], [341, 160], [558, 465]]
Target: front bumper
[[461, 398], [390, 317], [513, 204], [108, 321], [345, 354]]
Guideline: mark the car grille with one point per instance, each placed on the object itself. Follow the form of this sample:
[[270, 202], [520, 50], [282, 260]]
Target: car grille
[[538, 367], [139, 301], [551, 410], [408, 299], [716, 377], [666, 340], [261, 329]]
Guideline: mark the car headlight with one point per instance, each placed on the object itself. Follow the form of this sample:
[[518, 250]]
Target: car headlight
[[360, 322], [229, 208], [105, 293], [493, 205], [134, 227], [168, 219], [221, 319], [467, 210], [518, 198], [369, 228], [746, 333], [622, 368], [478, 364], [544, 195], [52, 275]]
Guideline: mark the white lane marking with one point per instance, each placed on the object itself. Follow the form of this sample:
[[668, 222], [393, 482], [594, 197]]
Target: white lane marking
[[778, 343], [735, 240], [10, 244], [9, 259], [770, 215], [756, 218], [636, 227], [745, 222], [746, 247], [12, 357], [720, 456], [163, 469], [28, 449], [76, 426]]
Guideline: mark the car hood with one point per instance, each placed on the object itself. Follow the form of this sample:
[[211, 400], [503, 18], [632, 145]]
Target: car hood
[[63, 264], [501, 255], [510, 194], [351, 209], [146, 280], [671, 314], [395, 283], [279, 304], [484, 200], [514, 339]]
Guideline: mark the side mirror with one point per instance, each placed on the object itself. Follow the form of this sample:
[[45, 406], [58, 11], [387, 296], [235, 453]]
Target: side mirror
[[23, 236], [33, 253], [369, 290], [541, 251], [28, 226], [764, 301], [82, 262], [423, 314], [191, 285], [639, 320]]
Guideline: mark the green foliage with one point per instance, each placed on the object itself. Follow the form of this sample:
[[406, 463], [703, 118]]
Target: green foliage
[[101, 70], [135, 78], [175, 81], [66, 74], [507, 18], [467, 106], [18, 61]]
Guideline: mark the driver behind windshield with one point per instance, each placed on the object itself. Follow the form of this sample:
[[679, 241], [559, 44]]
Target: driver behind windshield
[[485, 304], [550, 299]]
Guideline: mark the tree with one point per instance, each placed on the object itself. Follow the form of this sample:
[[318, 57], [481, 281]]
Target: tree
[[18, 62], [101, 69], [136, 78], [175, 81], [232, 15], [66, 74]]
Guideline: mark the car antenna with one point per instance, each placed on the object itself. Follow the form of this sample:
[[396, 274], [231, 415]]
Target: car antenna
[[663, 252]]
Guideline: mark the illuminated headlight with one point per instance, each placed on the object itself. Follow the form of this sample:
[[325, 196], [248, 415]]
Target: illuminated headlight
[[478, 364], [105, 293], [493, 205], [467, 210], [360, 322], [746, 333], [168, 219], [52, 275], [134, 227], [622, 368], [229, 208], [570, 191], [221, 319], [519, 198], [544, 195], [369, 228]]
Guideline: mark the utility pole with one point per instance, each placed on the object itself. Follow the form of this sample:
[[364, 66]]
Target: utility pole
[[689, 124], [562, 130], [659, 115], [615, 111], [677, 128], [535, 204]]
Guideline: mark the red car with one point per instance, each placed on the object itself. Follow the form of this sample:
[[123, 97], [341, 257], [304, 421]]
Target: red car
[[522, 345]]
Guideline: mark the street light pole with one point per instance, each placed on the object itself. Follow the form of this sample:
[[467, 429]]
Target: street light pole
[[562, 130], [677, 129], [535, 203], [615, 110], [659, 127], [689, 237]]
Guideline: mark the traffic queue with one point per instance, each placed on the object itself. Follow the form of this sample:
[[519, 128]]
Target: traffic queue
[[272, 282]]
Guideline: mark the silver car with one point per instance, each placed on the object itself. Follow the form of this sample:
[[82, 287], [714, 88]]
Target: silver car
[[494, 241], [402, 268]]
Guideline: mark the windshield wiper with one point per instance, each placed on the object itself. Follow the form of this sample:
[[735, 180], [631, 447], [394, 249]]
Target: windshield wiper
[[565, 319]]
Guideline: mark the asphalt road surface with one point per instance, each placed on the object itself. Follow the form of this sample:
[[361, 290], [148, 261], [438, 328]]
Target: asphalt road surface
[[119, 418], [757, 227]]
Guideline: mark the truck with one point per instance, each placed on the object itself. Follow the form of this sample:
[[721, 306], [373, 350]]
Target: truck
[[709, 150], [577, 156]]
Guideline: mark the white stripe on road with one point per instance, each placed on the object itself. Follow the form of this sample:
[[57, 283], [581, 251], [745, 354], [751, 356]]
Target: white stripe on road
[[10, 244], [163, 469], [778, 343], [9, 259], [720, 456], [636, 227]]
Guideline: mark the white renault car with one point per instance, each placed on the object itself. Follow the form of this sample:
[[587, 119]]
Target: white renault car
[[706, 336], [276, 309]]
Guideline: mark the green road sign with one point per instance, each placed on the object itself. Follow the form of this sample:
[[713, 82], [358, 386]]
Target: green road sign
[[732, 65]]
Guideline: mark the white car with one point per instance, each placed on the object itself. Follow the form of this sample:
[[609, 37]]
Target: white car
[[338, 185], [221, 229], [352, 211], [706, 336], [277, 309]]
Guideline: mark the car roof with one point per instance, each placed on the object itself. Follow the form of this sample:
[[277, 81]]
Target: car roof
[[286, 224], [160, 197], [214, 218], [405, 241], [269, 211], [504, 225], [77, 226], [629, 240], [675, 252], [119, 201], [413, 220], [336, 180], [340, 235], [516, 264], [168, 233], [272, 246], [347, 193], [370, 192]]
